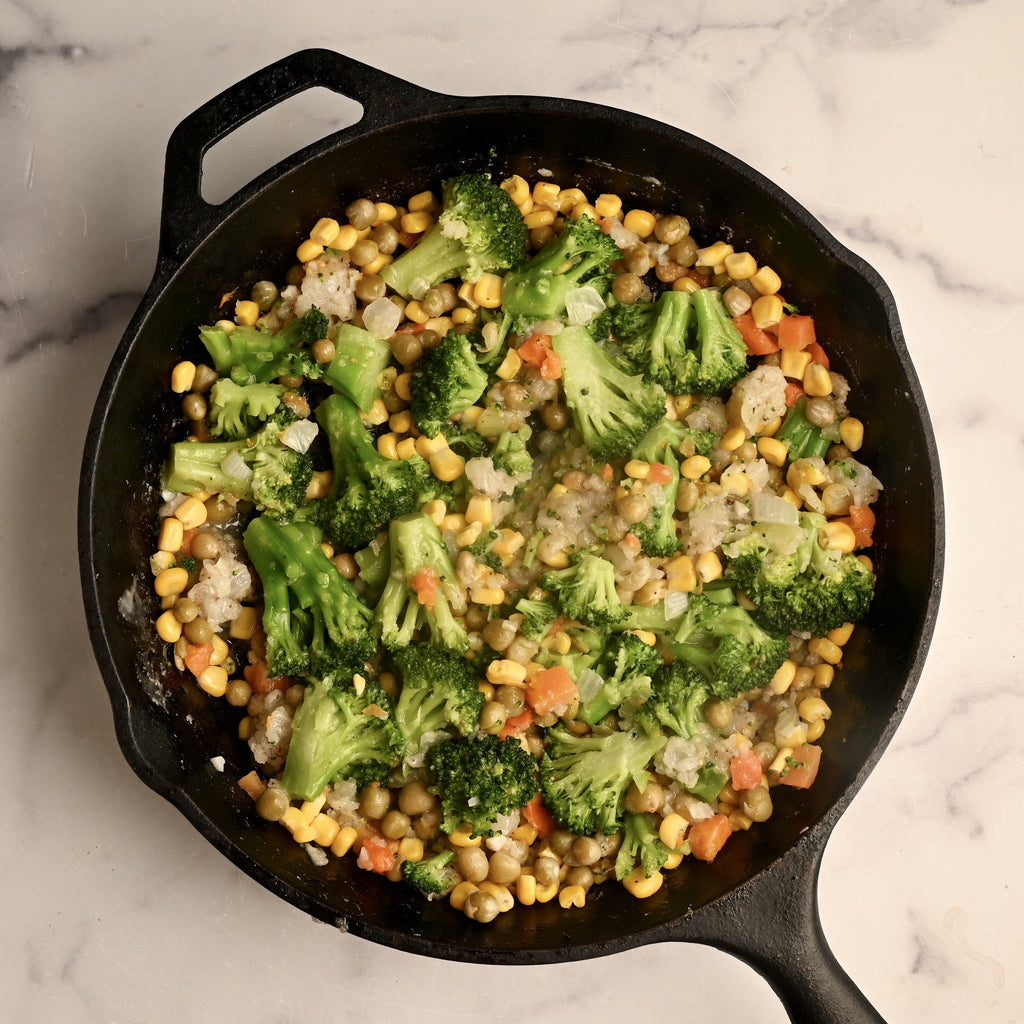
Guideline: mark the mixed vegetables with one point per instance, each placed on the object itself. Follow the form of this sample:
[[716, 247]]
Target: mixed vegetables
[[525, 533]]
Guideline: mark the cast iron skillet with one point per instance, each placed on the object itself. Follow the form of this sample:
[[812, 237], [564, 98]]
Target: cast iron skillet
[[758, 899]]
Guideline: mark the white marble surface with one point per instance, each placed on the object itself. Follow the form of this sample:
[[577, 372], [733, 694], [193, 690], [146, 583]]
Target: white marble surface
[[897, 124]]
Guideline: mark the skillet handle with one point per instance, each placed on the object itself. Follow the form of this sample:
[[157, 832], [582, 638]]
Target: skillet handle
[[773, 925], [186, 217]]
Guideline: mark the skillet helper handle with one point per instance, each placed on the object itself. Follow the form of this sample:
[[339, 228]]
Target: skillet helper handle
[[186, 217], [773, 925]]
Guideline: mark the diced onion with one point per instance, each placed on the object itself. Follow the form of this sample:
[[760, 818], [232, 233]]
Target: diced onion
[[234, 466], [299, 435], [381, 318], [676, 602], [770, 508], [589, 684], [583, 304]]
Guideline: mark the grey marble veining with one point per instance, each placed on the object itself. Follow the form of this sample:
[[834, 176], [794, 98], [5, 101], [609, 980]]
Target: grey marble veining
[[895, 124]]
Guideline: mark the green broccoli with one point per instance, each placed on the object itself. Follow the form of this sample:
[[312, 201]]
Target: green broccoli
[[584, 779], [803, 438], [537, 290], [435, 876], [369, 489], [627, 665], [239, 410], [255, 354], [538, 617], [585, 590], [439, 692], [640, 842], [478, 779], [446, 380], [611, 409], [657, 533], [313, 618], [510, 453], [360, 359], [259, 468], [478, 230], [482, 549], [812, 590], [679, 692], [422, 589], [710, 781], [340, 730]]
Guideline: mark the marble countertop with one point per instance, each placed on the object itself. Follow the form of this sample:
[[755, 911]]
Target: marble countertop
[[893, 123]]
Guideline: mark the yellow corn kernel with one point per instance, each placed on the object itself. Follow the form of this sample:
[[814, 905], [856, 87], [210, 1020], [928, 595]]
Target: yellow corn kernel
[[469, 534], [815, 730], [487, 291], [673, 860], [685, 284], [837, 536], [505, 672], [517, 188], [511, 541], [737, 484], [160, 561], [812, 709], [243, 626], [792, 497], [386, 213], [479, 510], [191, 513], [343, 841], [220, 651], [546, 893], [319, 484], [766, 281], [771, 429], [326, 829], [246, 313], [401, 422], [526, 890], [309, 250], [825, 649], [672, 829], [213, 680], [425, 200], [387, 445], [851, 432], [304, 834], [183, 376], [637, 469], [733, 438], [447, 465], [778, 766], [804, 472], [740, 266], [490, 596], [427, 446], [694, 467], [823, 675], [245, 728], [804, 677], [708, 566], [415, 222], [608, 205], [539, 219], [569, 199], [171, 535], [435, 509], [415, 312], [411, 848], [463, 315], [376, 265], [309, 809], [638, 885], [640, 221], [840, 636], [545, 193], [713, 254], [572, 896], [557, 491], [325, 231], [406, 448], [817, 381], [168, 628], [560, 642], [645, 636], [773, 451], [767, 311], [453, 522], [461, 837], [739, 822], [783, 678], [582, 210], [510, 365], [346, 237], [501, 893], [793, 362], [682, 574], [170, 581]]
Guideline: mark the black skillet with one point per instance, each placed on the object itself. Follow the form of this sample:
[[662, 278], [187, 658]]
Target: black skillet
[[758, 899]]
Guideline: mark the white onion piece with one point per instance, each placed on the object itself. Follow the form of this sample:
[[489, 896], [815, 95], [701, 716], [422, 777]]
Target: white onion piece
[[676, 602], [299, 435], [583, 304], [770, 508], [235, 467], [381, 317]]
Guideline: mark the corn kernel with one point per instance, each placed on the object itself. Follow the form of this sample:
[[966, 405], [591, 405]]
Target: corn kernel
[[817, 381], [767, 311], [172, 533], [183, 376], [740, 266], [526, 890], [682, 574], [569, 199], [572, 896], [840, 636], [685, 284], [637, 469], [501, 893], [517, 188], [511, 541], [510, 365], [461, 837], [695, 467], [825, 649], [220, 651], [325, 231], [243, 626], [452, 522], [415, 222], [641, 887], [346, 237], [168, 628], [469, 534], [487, 291], [425, 200], [733, 438], [815, 730], [427, 446], [560, 642], [812, 709], [608, 205], [672, 829], [581, 210], [778, 766], [387, 445], [386, 213], [771, 429], [824, 674], [406, 448], [246, 313], [708, 566], [546, 193], [411, 848], [714, 254], [793, 362], [463, 315], [539, 218], [851, 433], [640, 221], [447, 465], [160, 561], [505, 672], [213, 680], [401, 422], [783, 678], [170, 581], [736, 484], [309, 250], [415, 312], [191, 513], [773, 451], [479, 509], [343, 841], [376, 265], [326, 829], [766, 281], [837, 536], [435, 509], [546, 893]]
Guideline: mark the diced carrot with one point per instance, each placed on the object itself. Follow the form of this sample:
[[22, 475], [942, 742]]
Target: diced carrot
[[708, 836], [256, 676], [539, 817], [745, 770], [659, 473], [703, 280], [862, 521], [425, 582], [197, 658], [551, 689], [551, 368], [186, 541], [793, 393], [535, 349], [758, 342], [802, 767], [517, 724], [607, 472], [631, 541], [796, 331], [376, 854], [818, 354]]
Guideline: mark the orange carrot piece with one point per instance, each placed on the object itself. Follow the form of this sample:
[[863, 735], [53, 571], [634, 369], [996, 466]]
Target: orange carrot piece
[[793, 393], [818, 354], [758, 342], [517, 724], [862, 521], [659, 473], [197, 658], [708, 836], [425, 582], [539, 817], [376, 854], [551, 689], [261, 682], [802, 767], [796, 331], [745, 770]]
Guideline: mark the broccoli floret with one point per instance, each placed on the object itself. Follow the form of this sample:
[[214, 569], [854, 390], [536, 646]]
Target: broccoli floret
[[360, 358], [422, 589], [434, 876], [446, 380], [260, 468], [721, 349], [611, 408], [723, 642], [339, 731], [482, 549], [239, 410], [803, 438], [313, 618], [811, 590], [478, 230], [538, 617], [627, 666], [640, 843], [710, 781], [479, 778], [439, 692], [510, 453], [537, 290], [657, 533], [584, 778], [585, 590], [256, 354], [369, 489], [679, 692]]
